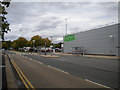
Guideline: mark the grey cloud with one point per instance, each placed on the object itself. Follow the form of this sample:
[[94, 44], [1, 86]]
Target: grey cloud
[[20, 30], [19, 10], [11, 37], [47, 25]]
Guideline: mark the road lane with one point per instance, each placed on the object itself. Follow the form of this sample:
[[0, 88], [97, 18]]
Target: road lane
[[101, 71], [42, 76], [100, 63]]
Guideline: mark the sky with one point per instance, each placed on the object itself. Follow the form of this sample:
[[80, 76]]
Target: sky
[[28, 19]]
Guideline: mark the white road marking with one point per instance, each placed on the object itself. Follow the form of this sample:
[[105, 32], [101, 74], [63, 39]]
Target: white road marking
[[57, 69], [97, 83], [37, 61], [40, 62], [34, 60]]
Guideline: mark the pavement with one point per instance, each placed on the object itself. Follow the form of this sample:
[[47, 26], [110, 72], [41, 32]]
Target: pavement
[[11, 81], [45, 76], [99, 56], [49, 56], [92, 56]]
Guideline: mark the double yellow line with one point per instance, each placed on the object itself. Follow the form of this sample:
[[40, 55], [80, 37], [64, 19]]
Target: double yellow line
[[25, 81]]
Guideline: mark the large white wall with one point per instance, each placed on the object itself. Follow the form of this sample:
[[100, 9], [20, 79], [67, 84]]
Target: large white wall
[[96, 41]]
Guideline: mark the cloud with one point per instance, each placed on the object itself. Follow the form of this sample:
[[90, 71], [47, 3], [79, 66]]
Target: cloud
[[11, 37], [50, 24], [46, 18]]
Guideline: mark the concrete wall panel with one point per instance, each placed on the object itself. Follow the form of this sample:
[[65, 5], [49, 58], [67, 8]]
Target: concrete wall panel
[[97, 41]]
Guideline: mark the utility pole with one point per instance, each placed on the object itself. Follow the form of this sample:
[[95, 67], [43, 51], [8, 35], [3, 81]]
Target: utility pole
[[51, 44], [111, 43], [33, 45], [66, 25], [45, 48]]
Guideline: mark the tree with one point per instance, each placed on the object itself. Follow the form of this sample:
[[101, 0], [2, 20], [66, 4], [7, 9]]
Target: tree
[[4, 45], [20, 43], [47, 41], [29, 44], [4, 25], [14, 44], [38, 40]]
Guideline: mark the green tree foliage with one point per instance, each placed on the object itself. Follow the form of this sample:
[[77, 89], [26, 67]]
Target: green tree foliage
[[4, 25], [29, 44], [14, 44], [20, 43], [47, 41], [38, 40], [6, 44]]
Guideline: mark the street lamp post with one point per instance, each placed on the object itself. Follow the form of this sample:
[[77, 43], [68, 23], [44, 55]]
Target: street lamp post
[[51, 44], [45, 48], [33, 44], [66, 25], [111, 39]]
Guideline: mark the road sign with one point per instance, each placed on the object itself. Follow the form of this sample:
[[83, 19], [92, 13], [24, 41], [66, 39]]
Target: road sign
[[69, 37]]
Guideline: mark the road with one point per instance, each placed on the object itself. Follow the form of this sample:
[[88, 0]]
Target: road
[[102, 71], [44, 76]]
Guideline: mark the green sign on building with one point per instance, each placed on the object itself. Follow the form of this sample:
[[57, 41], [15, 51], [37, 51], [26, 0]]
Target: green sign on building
[[69, 37]]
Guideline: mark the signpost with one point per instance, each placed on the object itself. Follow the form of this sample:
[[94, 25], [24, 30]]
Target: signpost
[[69, 37]]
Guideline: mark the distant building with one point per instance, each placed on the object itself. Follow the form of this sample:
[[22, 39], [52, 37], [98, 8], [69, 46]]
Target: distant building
[[102, 40]]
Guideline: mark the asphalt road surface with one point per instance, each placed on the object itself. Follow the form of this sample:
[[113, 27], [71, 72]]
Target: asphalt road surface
[[102, 71], [44, 76]]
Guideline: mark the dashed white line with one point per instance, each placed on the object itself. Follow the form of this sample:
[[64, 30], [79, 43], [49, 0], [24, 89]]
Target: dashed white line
[[97, 83], [37, 61], [57, 69], [34, 60], [40, 62]]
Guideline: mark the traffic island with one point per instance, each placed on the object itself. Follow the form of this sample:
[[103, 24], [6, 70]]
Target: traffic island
[[90, 56], [49, 56], [63, 54], [99, 56]]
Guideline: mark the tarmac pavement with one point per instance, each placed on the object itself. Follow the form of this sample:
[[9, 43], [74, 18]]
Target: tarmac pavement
[[11, 80]]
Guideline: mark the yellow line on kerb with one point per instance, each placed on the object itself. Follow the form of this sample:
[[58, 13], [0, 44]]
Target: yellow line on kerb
[[20, 73]]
